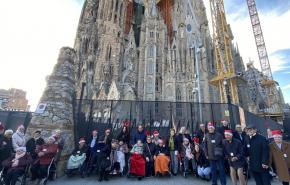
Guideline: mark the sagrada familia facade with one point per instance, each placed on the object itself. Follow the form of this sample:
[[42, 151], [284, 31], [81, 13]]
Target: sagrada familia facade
[[144, 50]]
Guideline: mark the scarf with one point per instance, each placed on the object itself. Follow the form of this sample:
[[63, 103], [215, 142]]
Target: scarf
[[171, 143]]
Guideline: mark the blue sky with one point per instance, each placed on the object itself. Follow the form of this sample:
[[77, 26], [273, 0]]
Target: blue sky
[[274, 17], [33, 31]]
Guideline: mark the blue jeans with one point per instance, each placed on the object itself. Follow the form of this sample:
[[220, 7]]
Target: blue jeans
[[218, 165]]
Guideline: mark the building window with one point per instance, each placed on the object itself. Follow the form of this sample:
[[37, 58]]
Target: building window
[[151, 52], [190, 94], [151, 34], [157, 66], [156, 107], [150, 67], [150, 85]]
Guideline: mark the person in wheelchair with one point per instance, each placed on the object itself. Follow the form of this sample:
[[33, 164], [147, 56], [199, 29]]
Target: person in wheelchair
[[187, 157], [15, 166], [77, 159], [46, 154], [33, 143], [161, 159], [137, 161], [6, 148]]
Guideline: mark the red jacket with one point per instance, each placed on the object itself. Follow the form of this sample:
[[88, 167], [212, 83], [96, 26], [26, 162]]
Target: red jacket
[[49, 152]]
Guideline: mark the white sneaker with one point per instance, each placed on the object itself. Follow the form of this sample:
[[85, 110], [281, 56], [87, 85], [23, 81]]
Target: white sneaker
[[42, 181]]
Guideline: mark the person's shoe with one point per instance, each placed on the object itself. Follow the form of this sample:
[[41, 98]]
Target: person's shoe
[[139, 178], [106, 179]]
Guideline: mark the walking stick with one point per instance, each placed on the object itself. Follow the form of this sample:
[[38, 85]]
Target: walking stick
[[247, 173]]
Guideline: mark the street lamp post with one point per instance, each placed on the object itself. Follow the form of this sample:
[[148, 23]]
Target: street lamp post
[[229, 100]]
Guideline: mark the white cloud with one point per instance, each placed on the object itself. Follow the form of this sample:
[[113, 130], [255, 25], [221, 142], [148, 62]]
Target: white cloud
[[276, 33], [31, 34], [286, 87]]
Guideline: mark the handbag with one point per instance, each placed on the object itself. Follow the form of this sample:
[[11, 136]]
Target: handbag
[[218, 152]]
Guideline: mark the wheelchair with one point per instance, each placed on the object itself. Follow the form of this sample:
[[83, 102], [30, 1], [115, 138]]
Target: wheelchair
[[22, 180], [51, 172]]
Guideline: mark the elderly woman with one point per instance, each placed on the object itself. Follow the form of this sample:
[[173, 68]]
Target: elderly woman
[[77, 159], [45, 154], [18, 138], [161, 158], [16, 165], [137, 161]]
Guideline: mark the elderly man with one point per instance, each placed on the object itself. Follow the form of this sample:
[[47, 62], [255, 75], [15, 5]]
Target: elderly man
[[224, 126], [201, 133], [33, 143], [214, 153], [258, 153], [235, 155], [280, 157]]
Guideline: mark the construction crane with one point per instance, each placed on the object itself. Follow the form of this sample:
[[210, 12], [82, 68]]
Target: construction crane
[[226, 77], [273, 97]]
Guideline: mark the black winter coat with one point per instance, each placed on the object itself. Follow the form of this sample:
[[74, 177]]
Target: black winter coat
[[161, 149], [80, 151], [258, 151], [234, 149], [125, 137], [212, 141], [6, 150], [180, 138], [149, 150], [201, 159], [32, 144]]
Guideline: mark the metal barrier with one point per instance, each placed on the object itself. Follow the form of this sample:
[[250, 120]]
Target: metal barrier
[[12, 119], [160, 115]]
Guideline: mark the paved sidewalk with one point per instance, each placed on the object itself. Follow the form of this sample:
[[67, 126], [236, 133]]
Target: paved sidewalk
[[152, 181]]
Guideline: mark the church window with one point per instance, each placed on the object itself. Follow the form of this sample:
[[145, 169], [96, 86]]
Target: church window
[[151, 34], [150, 67], [157, 34], [157, 66], [190, 94], [150, 85], [151, 52], [178, 104]]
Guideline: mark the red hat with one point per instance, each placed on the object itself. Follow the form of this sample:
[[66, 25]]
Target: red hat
[[210, 125], [155, 132], [2, 126], [228, 132], [223, 120], [195, 140], [126, 123], [276, 132], [82, 140], [148, 133], [107, 130]]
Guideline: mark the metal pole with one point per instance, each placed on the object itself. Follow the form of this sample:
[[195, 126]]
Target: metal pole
[[198, 79]]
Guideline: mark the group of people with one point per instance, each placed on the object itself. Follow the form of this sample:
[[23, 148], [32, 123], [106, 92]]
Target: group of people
[[18, 155], [208, 154]]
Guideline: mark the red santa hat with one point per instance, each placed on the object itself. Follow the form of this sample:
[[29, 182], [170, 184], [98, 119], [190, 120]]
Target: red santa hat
[[210, 125], [82, 140], [2, 127], [195, 140], [276, 133], [126, 123], [228, 132], [107, 130], [155, 132], [148, 133]]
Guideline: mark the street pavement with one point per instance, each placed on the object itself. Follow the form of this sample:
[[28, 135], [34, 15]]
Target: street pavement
[[152, 181]]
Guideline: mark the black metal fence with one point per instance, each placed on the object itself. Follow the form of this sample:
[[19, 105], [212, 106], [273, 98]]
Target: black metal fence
[[12, 119], [160, 115]]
